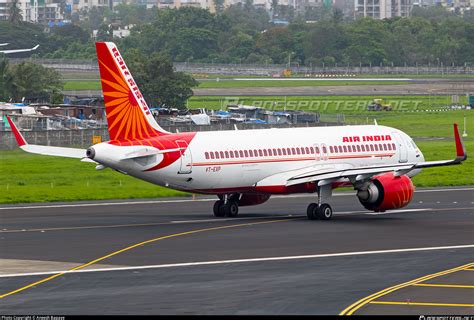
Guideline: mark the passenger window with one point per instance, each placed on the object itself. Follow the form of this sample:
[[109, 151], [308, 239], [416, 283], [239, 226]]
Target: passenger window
[[371, 147], [270, 152], [345, 148], [251, 153], [279, 152], [241, 153], [231, 153], [246, 153], [394, 146], [212, 155], [217, 155], [358, 148], [284, 151], [307, 150], [376, 147], [331, 149], [265, 152], [227, 154], [222, 155], [363, 148], [325, 150], [206, 154], [312, 150]]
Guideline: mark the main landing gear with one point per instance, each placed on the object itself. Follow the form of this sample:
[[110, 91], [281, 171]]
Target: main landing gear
[[321, 210], [227, 206]]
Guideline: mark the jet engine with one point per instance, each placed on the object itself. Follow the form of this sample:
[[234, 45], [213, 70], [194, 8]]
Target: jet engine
[[385, 192]]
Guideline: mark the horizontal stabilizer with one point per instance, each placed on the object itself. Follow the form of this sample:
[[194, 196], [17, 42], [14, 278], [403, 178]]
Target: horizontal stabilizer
[[55, 151]]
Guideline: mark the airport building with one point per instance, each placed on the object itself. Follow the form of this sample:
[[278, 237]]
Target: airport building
[[382, 9]]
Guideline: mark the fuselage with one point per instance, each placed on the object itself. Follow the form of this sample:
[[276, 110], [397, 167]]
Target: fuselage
[[236, 161]]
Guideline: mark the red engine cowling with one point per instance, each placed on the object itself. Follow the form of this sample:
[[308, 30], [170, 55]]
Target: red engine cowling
[[252, 199], [386, 192]]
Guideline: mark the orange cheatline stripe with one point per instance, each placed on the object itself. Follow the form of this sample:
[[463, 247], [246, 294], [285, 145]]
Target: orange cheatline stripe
[[274, 160]]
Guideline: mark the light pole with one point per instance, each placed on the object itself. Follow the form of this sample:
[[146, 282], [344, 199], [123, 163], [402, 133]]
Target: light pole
[[289, 59]]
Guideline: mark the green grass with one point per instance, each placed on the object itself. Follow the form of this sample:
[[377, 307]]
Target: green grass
[[95, 85], [460, 175], [82, 85], [326, 104], [32, 178], [289, 83]]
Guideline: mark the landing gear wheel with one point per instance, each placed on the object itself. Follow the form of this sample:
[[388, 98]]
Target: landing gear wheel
[[219, 209], [325, 212], [231, 209], [311, 212]]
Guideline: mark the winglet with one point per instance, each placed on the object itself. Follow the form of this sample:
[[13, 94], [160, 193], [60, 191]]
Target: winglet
[[19, 138], [461, 153]]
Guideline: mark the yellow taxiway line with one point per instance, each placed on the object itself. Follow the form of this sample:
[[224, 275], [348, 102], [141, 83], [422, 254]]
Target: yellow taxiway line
[[431, 304], [443, 285], [136, 246], [369, 299]]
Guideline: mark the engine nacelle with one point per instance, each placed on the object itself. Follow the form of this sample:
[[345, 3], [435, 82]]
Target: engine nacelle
[[252, 199], [386, 192]]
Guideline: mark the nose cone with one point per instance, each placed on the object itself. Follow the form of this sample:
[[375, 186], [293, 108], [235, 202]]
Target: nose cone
[[421, 157]]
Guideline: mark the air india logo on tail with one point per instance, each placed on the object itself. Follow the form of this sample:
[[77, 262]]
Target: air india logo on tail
[[128, 115]]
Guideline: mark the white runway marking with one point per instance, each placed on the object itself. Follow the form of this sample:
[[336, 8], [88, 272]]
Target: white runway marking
[[138, 202], [218, 262]]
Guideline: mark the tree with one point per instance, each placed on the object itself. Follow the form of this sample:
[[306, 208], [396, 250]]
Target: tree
[[32, 80], [274, 7], [158, 82], [6, 79], [219, 5], [15, 16]]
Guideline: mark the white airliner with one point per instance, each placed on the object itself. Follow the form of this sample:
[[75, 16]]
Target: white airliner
[[246, 167], [16, 50]]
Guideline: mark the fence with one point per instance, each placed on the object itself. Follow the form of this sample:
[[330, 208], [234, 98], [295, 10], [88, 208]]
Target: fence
[[83, 138], [268, 69]]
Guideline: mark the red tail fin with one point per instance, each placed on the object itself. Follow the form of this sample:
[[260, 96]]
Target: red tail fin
[[128, 115]]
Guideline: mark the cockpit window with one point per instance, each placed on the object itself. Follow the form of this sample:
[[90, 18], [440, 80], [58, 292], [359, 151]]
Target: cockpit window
[[413, 144]]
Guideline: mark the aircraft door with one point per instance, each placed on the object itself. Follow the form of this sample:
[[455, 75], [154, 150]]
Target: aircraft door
[[186, 165], [324, 151], [317, 152], [402, 148]]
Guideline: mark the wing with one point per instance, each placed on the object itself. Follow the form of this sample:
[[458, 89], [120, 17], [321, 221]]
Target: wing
[[326, 174], [19, 50]]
